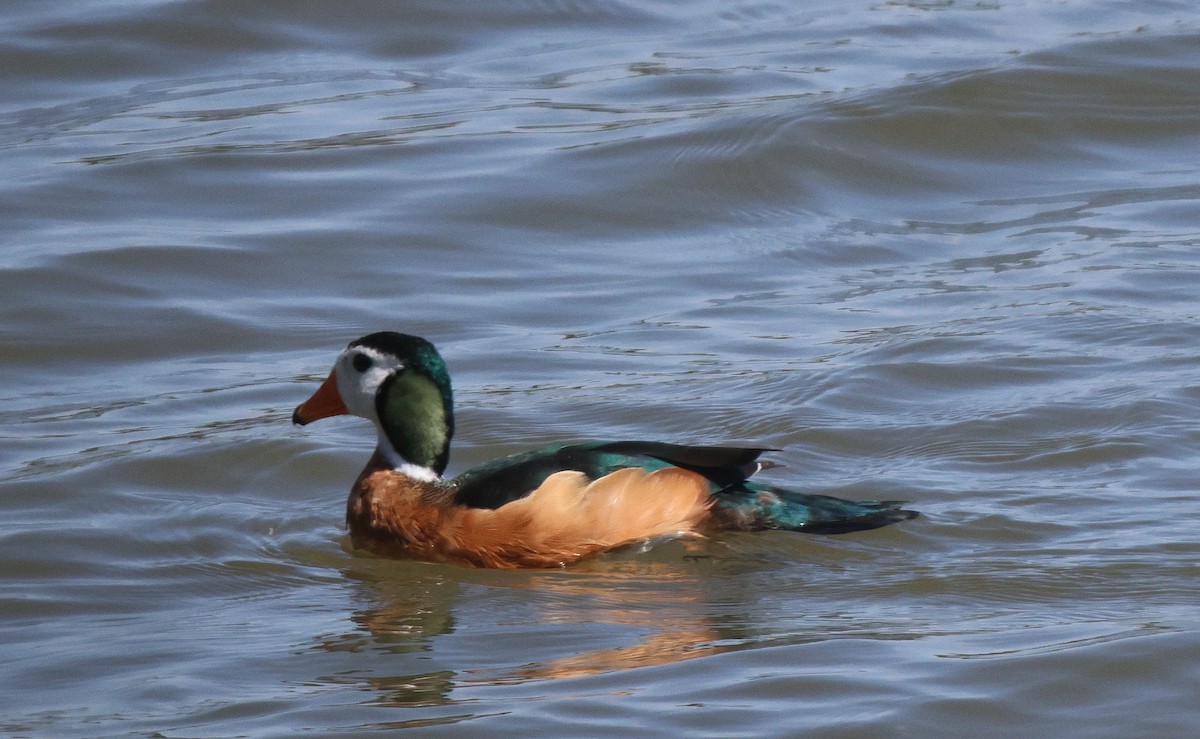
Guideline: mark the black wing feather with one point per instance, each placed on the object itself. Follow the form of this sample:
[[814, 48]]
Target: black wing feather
[[501, 481]]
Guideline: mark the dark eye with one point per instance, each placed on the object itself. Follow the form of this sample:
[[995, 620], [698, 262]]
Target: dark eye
[[361, 362]]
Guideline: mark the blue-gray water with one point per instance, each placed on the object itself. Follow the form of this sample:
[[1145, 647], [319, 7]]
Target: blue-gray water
[[943, 251]]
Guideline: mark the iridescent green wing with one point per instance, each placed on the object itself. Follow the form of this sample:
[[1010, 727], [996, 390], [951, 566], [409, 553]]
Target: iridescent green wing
[[495, 483]]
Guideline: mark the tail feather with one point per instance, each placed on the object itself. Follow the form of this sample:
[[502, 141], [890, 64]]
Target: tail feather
[[756, 506]]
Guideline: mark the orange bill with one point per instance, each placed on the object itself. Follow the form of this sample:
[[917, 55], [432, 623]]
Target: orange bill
[[325, 402]]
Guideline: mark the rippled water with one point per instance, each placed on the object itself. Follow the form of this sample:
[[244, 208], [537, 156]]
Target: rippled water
[[941, 251]]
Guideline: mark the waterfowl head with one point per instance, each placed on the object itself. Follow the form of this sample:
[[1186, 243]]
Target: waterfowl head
[[400, 383]]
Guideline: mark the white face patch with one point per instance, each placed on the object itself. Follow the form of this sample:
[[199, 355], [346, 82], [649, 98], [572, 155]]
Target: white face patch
[[360, 371]]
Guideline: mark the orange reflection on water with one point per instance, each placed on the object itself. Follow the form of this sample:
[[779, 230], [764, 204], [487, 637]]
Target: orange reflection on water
[[660, 605]]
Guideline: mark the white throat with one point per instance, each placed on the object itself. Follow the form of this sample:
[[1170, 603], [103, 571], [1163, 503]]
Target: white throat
[[401, 465]]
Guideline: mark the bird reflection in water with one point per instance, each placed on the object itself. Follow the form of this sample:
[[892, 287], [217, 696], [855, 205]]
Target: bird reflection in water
[[559, 625]]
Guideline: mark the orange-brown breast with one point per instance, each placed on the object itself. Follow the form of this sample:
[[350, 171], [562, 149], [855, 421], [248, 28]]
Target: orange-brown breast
[[564, 520]]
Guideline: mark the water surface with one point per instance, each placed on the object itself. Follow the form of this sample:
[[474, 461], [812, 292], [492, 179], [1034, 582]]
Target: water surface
[[944, 252]]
